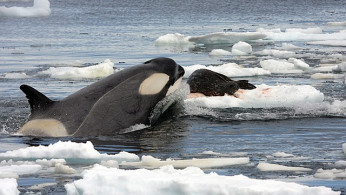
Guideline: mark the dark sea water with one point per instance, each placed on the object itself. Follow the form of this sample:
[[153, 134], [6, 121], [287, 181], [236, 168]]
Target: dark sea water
[[85, 33]]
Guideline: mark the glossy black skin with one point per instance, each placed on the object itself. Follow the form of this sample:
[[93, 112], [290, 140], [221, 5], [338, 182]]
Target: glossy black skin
[[108, 105], [211, 83]]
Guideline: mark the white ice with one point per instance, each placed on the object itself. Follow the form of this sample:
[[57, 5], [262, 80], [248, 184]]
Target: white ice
[[96, 71], [241, 48], [310, 34], [344, 148], [335, 43], [343, 23], [191, 180], [8, 186], [326, 76], [282, 155], [214, 38], [70, 151], [40, 8], [330, 174], [151, 162], [274, 167], [220, 52], [15, 75], [276, 53], [264, 96], [283, 66], [229, 69]]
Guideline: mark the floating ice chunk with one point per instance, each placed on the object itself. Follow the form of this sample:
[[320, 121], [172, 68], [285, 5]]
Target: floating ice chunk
[[8, 186], [263, 96], [274, 167], [282, 155], [312, 34], [281, 66], [70, 151], [172, 39], [337, 23], [331, 174], [340, 67], [340, 163], [15, 76], [151, 162], [241, 48], [21, 169], [64, 169], [229, 69], [334, 43], [276, 53], [226, 37], [327, 68], [50, 163], [326, 76], [96, 71], [192, 180], [220, 52], [289, 47], [110, 163], [40, 8], [337, 108], [344, 148], [299, 63]]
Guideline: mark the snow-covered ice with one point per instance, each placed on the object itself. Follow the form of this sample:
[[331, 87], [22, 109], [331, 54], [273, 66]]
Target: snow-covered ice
[[191, 180], [264, 96], [330, 174], [96, 71], [241, 48], [283, 66], [40, 8], [220, 52], [275, 167], [230, 69], [8, 186]]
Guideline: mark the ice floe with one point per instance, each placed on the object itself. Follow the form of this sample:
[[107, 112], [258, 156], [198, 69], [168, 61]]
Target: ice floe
[[70, 151], [275, 167], [330, 174], [8, 186], [230, 69], [151, 162], [191, 180], [343, 23], [310, 34], [15, 75], [40, 8], [344, 148], [264, 96], [326, 76], [241, 48], [214, 38], [283, 66], [220, 52], [96, 71], [335, 43]]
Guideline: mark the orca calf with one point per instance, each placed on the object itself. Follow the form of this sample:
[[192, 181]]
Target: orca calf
[[210, 83], [107, 106]]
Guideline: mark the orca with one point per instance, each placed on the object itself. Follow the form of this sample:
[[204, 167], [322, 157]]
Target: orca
[[119, 101], [210, 83]]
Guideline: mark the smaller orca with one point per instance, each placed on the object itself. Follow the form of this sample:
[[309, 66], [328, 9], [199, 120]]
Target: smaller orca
[[211, 83], [106, 107]]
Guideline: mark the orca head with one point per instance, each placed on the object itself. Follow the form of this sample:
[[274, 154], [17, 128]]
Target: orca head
[[168, 77]]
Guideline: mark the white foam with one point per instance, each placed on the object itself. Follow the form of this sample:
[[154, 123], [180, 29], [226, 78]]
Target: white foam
[[241, 48], [220, 52], [283, 66], [229, 69], [330, 174], [96, 71], [226, 37], [264, 96], [8, 186], [311, 34], [335, 43], [274, 167], [191, 180], [151, 162], [68, 151], [40, 8]]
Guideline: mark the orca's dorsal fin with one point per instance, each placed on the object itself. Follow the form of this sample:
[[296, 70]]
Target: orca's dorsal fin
[[37, 101]]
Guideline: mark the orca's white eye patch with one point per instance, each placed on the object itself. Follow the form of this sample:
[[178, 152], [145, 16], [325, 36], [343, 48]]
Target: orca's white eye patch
[[44, 128], [153, 84]]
